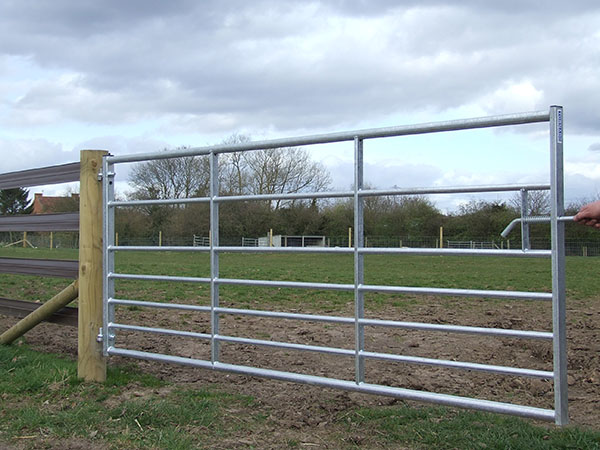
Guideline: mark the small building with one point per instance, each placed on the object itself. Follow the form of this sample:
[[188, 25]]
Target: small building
[[49, 205]]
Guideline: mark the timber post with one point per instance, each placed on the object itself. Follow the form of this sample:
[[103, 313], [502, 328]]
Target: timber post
[[91, 364]]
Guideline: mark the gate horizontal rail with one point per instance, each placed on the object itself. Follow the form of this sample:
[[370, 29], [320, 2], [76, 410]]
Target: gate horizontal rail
[[343, 287], [342, 250], [499, 332], [373, 133], [503, 370], [358, 287], [402, 393], [337, 194]]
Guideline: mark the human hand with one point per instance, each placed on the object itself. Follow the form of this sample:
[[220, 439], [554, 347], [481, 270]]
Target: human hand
[[589, 215]]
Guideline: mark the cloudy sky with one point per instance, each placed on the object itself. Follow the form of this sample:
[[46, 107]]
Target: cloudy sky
[[142, 75]]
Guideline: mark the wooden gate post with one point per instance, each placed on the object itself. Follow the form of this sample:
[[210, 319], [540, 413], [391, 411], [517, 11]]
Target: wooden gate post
[[91, 364]]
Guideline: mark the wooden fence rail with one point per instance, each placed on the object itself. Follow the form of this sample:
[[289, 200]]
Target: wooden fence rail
[[40, 222], [41, 267], [22, 308], [63, 173]]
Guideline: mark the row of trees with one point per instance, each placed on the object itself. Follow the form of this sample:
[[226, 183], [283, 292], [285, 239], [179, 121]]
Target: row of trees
[[273, 171], [291, 170], [412, 218]]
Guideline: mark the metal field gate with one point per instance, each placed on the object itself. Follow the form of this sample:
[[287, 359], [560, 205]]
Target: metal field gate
[[360, 323]]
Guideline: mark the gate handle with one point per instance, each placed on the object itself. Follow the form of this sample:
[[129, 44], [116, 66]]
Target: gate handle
[[532, 219]]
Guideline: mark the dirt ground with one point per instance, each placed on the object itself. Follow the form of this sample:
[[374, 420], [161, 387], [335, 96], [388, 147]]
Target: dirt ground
[[306, 413]]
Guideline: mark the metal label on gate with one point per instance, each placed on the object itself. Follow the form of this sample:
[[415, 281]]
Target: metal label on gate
[[559, 116]]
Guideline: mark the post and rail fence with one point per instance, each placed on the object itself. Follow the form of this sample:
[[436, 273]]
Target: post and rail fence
[[87, 271]]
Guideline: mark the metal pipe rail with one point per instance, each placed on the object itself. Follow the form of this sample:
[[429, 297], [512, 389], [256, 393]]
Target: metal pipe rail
[[490, 368], [486, 293], [360, 323], [483, 331], [166, 331], [402, 393], [332, 194], [373, 133], [341, 250]]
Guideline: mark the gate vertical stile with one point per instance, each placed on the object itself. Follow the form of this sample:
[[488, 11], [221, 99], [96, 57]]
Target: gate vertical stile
[[525, 242], [108, 191], [214, 256], [359, 266], [557, 232]]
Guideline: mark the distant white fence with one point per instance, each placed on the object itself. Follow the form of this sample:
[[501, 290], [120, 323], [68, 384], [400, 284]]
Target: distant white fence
[[250, 242], [280, 240], [473, 245], [201, 241]]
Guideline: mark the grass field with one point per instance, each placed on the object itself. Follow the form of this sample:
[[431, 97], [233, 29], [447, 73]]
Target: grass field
[[433, 271], [45, 406]]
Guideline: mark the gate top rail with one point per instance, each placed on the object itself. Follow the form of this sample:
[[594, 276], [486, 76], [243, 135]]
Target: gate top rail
[[371, 133]]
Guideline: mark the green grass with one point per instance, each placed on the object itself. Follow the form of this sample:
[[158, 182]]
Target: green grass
[[408, 270], [442, 428], [43, 402], [43, 398], [39, 253]]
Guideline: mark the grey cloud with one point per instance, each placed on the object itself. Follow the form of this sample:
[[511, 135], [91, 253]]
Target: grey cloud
[[292, 64], [120, 145], [511, 7], [594, 147], [19, 154], [383, 176]]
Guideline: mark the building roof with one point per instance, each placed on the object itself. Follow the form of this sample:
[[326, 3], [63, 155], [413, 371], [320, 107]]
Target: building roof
[[49, 205]]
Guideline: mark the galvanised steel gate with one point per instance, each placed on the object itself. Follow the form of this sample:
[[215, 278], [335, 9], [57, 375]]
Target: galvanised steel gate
[[559, 373]]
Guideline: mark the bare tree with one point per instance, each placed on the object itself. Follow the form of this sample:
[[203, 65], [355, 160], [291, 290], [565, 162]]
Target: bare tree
[[271, 171], [232, 167], [171, 178], [285, 170], [538, 203]]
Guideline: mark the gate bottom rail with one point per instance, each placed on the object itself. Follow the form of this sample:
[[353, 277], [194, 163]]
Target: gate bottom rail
[[367, 388]]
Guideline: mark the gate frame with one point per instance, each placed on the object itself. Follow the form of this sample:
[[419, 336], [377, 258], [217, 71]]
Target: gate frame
[[557, 254]]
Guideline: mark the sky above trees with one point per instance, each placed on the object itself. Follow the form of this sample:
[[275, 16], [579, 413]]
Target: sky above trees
[[145, 75]]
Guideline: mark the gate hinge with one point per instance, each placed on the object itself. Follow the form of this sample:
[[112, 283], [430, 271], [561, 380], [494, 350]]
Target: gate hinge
[[100, 336], [109, 174]]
